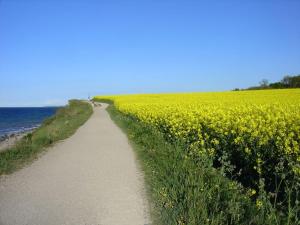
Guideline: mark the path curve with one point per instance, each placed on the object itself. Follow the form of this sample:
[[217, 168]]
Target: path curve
[[90, 178]]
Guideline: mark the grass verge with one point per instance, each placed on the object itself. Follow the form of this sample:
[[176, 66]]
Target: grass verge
[[187, 190], [60, 126]]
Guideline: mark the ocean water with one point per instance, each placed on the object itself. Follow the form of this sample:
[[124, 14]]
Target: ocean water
[[16, 120]]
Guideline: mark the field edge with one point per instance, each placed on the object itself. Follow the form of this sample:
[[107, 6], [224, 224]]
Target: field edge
[[170, 181]]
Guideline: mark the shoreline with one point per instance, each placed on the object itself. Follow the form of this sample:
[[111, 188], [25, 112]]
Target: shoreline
[[9, 140], [17, 122], [66, 121]]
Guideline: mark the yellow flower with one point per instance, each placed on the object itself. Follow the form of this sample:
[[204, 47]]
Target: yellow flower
[[249, 120], [251, 192], [259, 203]]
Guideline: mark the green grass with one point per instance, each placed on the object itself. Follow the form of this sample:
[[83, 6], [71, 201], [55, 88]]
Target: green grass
[[60, 126], [186, 189]]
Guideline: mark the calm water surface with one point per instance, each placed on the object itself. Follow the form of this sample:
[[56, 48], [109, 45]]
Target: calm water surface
[[15, 120]]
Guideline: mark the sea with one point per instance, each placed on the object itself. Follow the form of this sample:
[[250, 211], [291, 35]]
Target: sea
[[21, 119]]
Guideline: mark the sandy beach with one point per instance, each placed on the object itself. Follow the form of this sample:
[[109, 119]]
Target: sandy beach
[[9, 141]]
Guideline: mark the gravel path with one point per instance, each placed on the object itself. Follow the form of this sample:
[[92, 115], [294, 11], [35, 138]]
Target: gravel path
[[90, 178]]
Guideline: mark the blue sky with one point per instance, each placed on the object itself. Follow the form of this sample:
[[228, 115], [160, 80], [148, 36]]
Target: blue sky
[[54, 50]]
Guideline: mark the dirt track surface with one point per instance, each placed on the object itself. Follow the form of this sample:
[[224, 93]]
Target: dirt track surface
[[90, 178]]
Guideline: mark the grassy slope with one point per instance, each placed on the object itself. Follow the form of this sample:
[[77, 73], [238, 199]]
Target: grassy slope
[[188, 191], [60, 126]]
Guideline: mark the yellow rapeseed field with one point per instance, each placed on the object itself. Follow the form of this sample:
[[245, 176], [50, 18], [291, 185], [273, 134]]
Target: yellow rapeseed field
[[257, 130]]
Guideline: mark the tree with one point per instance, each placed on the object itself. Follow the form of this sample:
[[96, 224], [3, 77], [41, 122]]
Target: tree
[[291, 81], [286, 81], [264, 83], [295, 82], [276, 85]]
